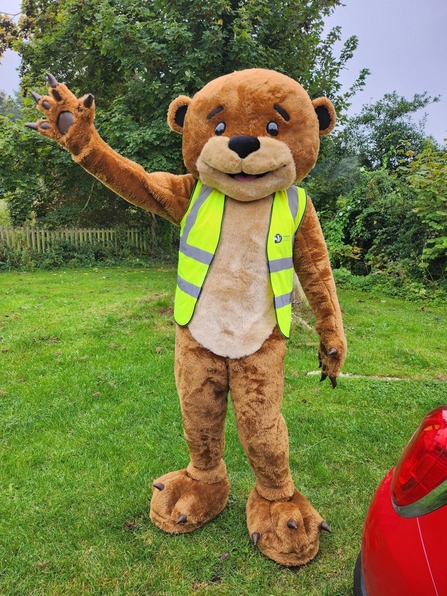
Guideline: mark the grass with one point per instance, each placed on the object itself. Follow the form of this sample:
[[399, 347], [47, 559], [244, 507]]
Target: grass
[[89, 417]]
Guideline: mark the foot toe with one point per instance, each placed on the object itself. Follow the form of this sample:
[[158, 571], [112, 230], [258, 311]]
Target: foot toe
[[185, 504], [287, 531]]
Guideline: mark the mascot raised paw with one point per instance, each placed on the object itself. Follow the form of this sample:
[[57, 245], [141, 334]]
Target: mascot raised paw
[[248, 138]]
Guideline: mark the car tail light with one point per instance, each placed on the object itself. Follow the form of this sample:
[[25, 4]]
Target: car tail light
[[419, 483]]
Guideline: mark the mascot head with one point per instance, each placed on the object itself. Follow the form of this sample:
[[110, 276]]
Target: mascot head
[[251, 133]]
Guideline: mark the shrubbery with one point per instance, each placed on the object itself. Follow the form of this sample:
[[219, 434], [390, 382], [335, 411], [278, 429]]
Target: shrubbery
[[67, 254], [381, 194], [388, 233], [394, 282]]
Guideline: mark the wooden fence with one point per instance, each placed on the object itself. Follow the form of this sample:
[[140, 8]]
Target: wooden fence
[[41, 240]]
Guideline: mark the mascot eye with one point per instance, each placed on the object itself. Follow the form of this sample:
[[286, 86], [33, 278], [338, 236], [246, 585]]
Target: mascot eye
[[272, 129], [220, 128]]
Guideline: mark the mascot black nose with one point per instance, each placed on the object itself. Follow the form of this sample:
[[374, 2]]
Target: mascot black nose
[[244, 145]]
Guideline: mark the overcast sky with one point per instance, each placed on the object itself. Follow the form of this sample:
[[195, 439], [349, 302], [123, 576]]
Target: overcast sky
[[402, 42], [404, 45]]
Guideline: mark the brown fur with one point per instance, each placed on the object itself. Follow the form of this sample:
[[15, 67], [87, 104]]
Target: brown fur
[[314, 272], [181, 493], [249, 365], [287, 546], [203, 382]]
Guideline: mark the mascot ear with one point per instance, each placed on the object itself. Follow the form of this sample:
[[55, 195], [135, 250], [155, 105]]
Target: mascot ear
[[326, 115], [177, 113]]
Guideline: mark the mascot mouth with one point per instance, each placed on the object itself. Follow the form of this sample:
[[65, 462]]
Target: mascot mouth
[[261, 175], [243, 177]]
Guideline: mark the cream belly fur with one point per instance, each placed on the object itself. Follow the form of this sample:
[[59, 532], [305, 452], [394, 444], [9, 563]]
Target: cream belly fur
[[239, 270]]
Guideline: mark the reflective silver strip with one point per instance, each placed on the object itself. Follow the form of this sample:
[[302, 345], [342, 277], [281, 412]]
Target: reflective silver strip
[[283, 300], [283, 264], [292, 197], [198, 254], [188, 287], [434, 500]]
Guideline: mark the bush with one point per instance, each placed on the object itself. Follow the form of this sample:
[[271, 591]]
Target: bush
[[64, 253], [4, 213], [396, 281]]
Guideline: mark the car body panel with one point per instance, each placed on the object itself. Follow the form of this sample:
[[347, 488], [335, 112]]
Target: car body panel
[[434, 533], [403, 556]]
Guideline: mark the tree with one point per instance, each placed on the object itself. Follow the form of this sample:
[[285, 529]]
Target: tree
[[9, 32], [380, 192], [10, 106], [393, 221], [383, 135], [381, 128], [427, 175], [136, 56]]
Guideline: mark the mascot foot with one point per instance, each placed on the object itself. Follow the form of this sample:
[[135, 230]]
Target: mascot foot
[[286, 531], [180, 504]]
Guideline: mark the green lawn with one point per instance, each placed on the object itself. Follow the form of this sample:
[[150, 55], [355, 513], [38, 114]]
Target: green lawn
[[89, 416]]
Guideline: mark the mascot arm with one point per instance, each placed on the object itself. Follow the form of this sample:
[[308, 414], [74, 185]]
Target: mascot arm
[[69, 121], [311, 261]]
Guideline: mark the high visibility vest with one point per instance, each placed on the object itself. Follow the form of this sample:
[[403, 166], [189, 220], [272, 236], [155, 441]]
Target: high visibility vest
[[200, 231]]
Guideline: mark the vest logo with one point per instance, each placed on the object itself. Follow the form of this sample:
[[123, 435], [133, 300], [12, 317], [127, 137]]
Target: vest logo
[[277, 238]]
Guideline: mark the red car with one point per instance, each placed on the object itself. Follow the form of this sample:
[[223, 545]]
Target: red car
[[404, 545]]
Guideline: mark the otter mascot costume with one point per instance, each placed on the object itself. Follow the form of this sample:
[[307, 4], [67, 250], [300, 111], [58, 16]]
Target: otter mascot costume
[[248, 138]]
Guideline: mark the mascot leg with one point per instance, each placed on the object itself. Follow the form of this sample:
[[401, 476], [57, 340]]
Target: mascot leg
[[281, 521], [187, 499]]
